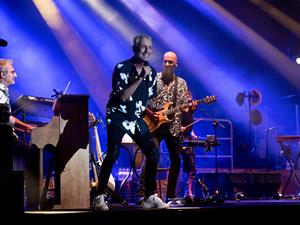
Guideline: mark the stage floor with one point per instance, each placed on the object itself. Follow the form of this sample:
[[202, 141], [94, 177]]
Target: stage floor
[[233, 212]]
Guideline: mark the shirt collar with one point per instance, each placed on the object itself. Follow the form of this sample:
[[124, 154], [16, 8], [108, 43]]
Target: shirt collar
[[2, 87]]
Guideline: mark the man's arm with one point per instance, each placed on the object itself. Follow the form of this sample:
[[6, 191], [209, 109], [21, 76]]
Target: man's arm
[[131, 89], [20, 125]]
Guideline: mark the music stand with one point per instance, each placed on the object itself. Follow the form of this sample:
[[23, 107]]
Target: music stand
[[216, 198]]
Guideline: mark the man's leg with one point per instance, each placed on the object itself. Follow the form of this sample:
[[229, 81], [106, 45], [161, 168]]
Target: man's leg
[[173, 148], [141, 183]]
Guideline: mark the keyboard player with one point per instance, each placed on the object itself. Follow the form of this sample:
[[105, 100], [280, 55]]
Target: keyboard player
[[11, 146]]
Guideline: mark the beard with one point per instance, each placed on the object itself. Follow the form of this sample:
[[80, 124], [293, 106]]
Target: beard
[[168, 76]]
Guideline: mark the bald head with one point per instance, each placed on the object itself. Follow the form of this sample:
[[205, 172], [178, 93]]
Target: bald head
[[170, 56]]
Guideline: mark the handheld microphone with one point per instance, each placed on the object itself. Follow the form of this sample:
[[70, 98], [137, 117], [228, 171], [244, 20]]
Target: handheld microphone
[[142, 74]]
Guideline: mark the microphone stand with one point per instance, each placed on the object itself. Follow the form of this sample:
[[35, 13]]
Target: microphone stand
[[217, 197]]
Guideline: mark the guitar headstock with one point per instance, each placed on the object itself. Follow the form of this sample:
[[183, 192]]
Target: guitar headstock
[[92, 117], [93, 121], [210, 99]]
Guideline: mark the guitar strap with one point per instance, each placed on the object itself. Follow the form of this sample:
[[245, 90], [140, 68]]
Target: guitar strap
[[175, 91]]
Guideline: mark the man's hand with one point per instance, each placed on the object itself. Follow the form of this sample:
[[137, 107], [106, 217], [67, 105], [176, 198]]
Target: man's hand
[[147, 71], [29, 129], [21, 126], [194, 105], [182, 129]]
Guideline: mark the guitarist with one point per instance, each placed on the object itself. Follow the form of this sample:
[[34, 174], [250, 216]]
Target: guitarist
[[170, 88]]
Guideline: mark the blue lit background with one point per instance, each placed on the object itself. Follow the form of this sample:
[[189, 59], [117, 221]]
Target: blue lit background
[[215, 51]]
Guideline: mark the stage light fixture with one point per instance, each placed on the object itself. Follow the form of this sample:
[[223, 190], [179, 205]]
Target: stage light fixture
[[240, 98], [255, 117], [255, 97]]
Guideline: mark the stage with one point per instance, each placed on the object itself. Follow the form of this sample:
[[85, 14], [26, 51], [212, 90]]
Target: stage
[[246, 195], [245, 53], [229, 212]]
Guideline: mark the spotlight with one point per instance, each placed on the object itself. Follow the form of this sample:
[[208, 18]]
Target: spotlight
[[254, 96], [298, 60]]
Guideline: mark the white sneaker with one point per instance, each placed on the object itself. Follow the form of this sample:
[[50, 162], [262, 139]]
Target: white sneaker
[[154, 202], [175, 202], [99, 203]]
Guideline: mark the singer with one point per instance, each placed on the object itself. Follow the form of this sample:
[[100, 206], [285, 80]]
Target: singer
[[133, 83]]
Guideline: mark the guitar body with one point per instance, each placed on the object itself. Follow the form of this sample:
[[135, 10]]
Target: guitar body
[[167, 110], [110, 188], [162, 118], [96, 168]]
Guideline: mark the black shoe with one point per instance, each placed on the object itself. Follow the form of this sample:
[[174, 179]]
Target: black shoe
[[189, 199]]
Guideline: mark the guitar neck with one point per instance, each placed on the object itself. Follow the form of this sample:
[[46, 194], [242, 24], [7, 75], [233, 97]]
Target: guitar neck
[[97, 143], [183, 106]]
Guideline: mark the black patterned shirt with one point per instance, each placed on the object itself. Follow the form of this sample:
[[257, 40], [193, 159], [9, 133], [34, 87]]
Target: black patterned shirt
[[128, 114]]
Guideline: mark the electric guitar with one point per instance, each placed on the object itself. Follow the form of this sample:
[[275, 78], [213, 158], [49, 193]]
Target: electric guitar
[[111, 182], [163, 115]]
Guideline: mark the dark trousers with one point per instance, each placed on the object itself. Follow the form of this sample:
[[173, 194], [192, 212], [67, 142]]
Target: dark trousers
[[144, 142], [11, 147], [188, 155], [173, 145], [188, 160]]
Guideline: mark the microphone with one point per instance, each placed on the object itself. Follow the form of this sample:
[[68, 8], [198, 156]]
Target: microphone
[[3, 42], [142, 74]]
